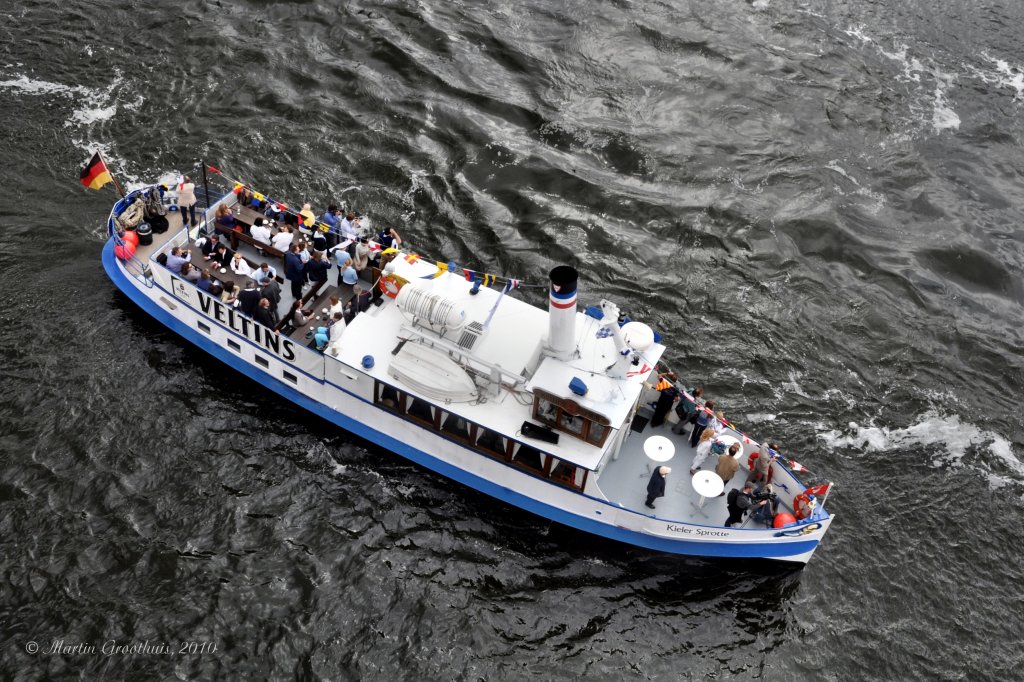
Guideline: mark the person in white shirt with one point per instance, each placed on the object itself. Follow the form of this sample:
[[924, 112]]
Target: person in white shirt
[[362, 259], [260, 232], [344, 263], [337, 329], [335, 307], [350, 226], [715, 424], [282, 241], [239, 266], [178, 258], [264, 271], [187, 201]]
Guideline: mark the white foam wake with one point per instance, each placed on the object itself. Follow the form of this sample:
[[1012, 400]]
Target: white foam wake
[[948, 437], [92, 106], [917, 73], [1003, 76]]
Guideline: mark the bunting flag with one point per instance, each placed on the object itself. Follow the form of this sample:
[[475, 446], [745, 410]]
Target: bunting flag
[[212, 169], [441, 269], [95, 174], [644, 369], [512, 283], [486, 280], [470, 275], [412, 258], [796, 466]]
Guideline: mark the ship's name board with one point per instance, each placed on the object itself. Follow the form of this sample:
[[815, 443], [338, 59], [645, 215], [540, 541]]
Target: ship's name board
[[699, 532], [281, 346]]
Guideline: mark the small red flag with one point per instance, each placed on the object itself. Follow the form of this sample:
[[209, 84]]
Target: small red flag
[[213, 169]]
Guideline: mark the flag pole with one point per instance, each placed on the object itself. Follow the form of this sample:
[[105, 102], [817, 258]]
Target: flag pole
[[117, 185], [206, 191], [206, 185]]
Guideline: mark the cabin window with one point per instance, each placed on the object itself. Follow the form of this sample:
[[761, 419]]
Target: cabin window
[[234, 346], [204, 327], [420, 409], [262, 361], [529, 457], [563, 472], [492, 443], [290, 377], [597, 433], [387, 396], [456, 426]]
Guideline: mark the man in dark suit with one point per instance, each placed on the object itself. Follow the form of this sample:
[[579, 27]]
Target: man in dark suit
[[359, 303], [317, 267], [294, 271], [272, 290], [209, 246], [265, 314], [249, 299], [221, 256], [656, 486]]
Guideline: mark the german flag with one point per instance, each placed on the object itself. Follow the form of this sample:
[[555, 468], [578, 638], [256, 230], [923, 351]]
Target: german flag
[[95, 174]]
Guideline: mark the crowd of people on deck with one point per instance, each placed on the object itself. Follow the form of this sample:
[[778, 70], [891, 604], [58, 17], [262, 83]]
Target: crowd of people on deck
[[307, 247], [702, 425]]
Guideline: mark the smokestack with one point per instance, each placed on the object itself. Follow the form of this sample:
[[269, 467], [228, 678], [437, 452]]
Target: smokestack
[[562, 312]]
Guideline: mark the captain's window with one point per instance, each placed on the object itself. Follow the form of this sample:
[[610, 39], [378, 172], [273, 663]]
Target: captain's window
[[597, 433], [546, 411], [568, 416], [571, 423]]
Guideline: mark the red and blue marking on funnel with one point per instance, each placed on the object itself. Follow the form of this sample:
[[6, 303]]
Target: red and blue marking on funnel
[[560, 298]]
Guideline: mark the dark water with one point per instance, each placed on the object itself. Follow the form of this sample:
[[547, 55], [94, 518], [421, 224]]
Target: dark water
[[817, 203]]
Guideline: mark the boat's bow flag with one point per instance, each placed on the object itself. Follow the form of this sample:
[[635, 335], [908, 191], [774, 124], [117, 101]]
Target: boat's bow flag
[[95, 173]]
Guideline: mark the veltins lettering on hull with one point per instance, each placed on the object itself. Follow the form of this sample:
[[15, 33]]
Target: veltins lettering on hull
[[281, 346]]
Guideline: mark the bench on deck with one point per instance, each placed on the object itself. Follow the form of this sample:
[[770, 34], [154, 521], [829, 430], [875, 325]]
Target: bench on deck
[[303, 302], [235, 236]]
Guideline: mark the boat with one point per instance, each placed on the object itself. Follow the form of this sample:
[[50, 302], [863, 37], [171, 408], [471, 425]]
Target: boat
[[548, 410]]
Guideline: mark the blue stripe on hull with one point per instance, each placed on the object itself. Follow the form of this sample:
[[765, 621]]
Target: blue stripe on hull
[[688, 547]]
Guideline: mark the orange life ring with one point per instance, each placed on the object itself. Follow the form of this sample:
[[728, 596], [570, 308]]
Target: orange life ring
[[802, 506], [392, 284]]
